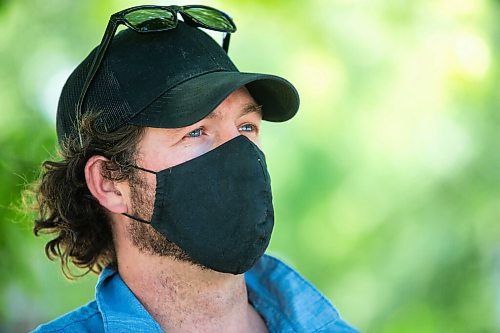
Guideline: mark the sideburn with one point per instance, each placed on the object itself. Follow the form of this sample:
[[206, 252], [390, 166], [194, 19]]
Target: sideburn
[[144, 236]]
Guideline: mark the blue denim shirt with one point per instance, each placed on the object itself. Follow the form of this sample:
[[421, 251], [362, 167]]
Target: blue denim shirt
[[286, 301]]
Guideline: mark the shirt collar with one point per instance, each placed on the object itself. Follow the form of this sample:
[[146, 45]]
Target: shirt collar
[[286, 301], [121, 310]]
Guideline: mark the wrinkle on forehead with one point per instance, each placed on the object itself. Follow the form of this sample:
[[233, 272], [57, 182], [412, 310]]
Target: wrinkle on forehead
[[248, 108]]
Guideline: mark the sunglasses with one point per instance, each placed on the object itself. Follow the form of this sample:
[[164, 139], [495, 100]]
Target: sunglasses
[[150, 18]]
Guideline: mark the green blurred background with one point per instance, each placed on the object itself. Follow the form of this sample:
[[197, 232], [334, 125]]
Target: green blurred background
[[386, 184]]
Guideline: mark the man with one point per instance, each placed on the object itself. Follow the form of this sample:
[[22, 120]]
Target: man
[[163, 189]]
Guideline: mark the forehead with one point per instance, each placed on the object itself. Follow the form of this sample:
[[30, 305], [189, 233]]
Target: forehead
[[238, 103], [251, 107]]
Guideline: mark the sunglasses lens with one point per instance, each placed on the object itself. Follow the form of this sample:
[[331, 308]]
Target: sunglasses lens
[[154, 19], [210, 18]]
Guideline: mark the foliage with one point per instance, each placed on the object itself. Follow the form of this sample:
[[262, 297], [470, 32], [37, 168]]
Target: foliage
[[386, 183]]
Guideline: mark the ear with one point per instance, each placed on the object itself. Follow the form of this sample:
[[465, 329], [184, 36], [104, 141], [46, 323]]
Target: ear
[[106, 191]]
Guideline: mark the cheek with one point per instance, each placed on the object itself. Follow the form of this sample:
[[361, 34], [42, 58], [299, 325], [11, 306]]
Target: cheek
[[254, 137], [184, 153], [256, 140]]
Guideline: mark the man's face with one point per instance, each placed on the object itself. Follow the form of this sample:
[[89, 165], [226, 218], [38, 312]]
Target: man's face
[[162, 148]]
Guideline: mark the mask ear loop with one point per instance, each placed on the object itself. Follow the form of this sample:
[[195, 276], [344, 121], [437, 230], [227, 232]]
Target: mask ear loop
[[142, 169], [138, 219]]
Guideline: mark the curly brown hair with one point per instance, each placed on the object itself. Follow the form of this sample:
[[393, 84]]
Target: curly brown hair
[[65, 205]]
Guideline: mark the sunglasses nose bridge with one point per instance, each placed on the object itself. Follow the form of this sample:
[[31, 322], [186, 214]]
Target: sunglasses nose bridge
[[188, 18], [176, 8]]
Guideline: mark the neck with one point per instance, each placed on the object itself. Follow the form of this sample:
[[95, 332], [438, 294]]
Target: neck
[[182, 297]]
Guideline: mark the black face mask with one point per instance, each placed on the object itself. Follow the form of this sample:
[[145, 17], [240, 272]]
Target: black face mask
[[217, 207]]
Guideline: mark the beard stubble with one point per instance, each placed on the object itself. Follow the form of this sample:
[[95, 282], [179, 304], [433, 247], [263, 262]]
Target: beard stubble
[[143, 236]]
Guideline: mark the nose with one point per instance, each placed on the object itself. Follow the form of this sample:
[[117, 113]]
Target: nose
[[226, 133]]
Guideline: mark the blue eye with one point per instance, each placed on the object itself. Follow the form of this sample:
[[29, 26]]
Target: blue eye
[[195, 133], [247, 128]]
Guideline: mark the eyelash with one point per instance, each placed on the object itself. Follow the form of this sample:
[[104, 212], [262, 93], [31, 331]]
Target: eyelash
[[198, 130], [196, 133], [253, 128]]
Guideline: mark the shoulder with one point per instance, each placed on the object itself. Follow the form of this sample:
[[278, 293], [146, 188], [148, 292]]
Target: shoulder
[[84, 319]]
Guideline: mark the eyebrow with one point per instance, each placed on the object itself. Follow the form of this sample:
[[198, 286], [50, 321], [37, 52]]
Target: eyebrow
[[252, 107], [249, 108]]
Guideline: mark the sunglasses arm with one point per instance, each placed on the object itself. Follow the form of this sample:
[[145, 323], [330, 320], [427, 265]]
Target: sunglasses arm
[[99, 55], [103, 47], [225, 41]]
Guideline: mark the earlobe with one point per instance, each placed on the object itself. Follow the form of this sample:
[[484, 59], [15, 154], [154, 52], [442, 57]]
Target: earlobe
[[104, 190]]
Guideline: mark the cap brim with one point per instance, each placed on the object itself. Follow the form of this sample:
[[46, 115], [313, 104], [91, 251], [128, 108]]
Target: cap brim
[[195, 98]]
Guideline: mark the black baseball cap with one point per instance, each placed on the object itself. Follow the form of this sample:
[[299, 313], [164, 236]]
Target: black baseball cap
[[167, 79]]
